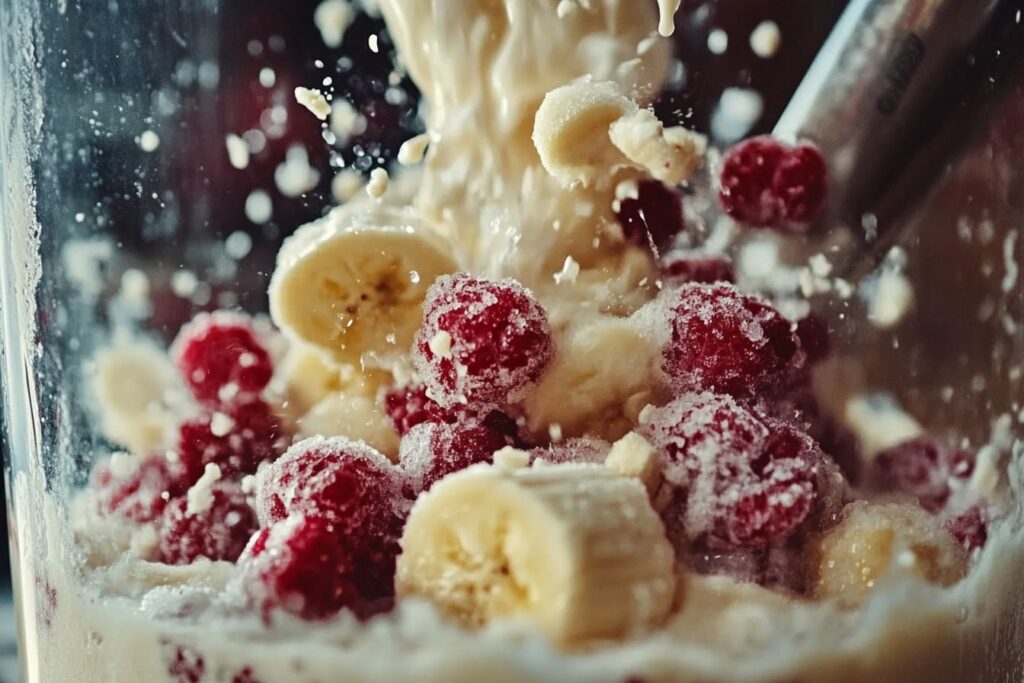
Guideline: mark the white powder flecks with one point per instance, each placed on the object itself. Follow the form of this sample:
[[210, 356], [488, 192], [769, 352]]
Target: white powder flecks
[[1010, 261], [718, 41], [889, 299], [184, 283], [238, 151], [374, 43], [570, 271], [268, 77], [259, 208], [766, 39], [412, 150], [84, 261], [135, 285], [346, 121], [313, 100], [332, 18], [565, 7], [667, 12], [555, 432], [441, 345], [736, 113], [221, 425], [378, 184], [200, 496], [149, 141], [295, 177], [346, 184], [238, 244], [249, 484]]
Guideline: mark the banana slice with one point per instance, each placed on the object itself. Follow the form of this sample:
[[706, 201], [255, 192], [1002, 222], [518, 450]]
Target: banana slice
[[348, 414], [575, 549], [354, 282], [134, 385]]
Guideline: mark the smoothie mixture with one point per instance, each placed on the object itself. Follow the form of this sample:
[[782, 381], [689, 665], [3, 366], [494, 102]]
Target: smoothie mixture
[[510, 419]]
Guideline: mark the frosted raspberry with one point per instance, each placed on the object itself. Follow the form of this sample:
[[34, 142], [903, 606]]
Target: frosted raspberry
[[142, 495], [813, 332], [431, 451], [482, 342], [410, 406], [218, 532], [923, 468], [654, 217], [764, 183], [215, 350], [970, 528], [679, 267], [742, 480], [726, 341], [237, 437], [351, 486], [304, 566]]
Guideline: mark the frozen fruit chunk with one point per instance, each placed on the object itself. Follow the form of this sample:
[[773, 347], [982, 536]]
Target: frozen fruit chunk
[[343, 481], [970, 528], [679, 267], [740, 480], [875, 539], [923, 468], [220, 349], [726, 341], [431, 451], [218, 531], [140, 495], [236, 437], [653, 217], [764, 183], [482, 342], [409, 406], [303, 566]]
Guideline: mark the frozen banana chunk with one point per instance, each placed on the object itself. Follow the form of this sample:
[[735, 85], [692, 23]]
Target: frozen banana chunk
[[575, 550], [359, 418]]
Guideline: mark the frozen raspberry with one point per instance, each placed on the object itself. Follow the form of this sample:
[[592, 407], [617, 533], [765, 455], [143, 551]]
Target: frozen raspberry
[[742, 480], [410, 406], [304, 566], [237, 437], [654, 217], [184, 664], [764, 183], [215, 350], [141, 495], [482, 342], [218, 532], [351, 486], [726, 341], [431, 451], [970, 528], [679, 267], [813, 333], [923, 468]]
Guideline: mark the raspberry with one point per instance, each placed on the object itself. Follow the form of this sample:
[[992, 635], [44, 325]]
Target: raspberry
[[970, 528], [410, 406], [923, 468], [141, 495], [184, 664], [729, 342], [303, 566], [215, 350], [813, 332], [237, 437], [245, 676], [679, 267], [763, 183], [742, 480], [482, 342], [219, 532], [431, 451], [654, 217], [353, 488]]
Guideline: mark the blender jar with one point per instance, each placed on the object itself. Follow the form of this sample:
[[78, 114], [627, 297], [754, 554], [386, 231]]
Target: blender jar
[[153, 159]]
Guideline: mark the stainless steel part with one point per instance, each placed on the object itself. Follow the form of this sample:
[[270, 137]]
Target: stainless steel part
[[897, 88]]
